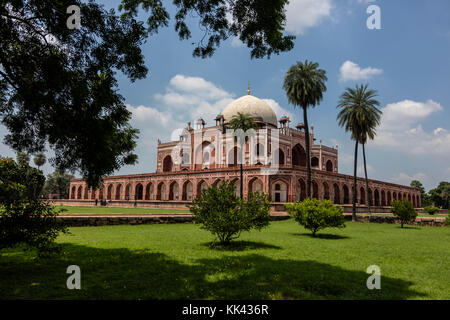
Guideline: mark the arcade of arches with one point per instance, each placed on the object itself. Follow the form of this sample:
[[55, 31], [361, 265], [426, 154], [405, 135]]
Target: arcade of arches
[[281, 188]]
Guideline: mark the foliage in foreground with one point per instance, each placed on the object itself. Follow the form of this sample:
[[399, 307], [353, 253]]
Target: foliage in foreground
[[24, 217], [316, 214], [225, 215], [404, 210], [431, 209]]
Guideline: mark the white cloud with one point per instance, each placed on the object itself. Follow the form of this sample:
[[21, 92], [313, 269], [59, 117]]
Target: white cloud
[[403, 178], [280, 111], [304, 14], [350, 71], [236, 43], [401, 129]]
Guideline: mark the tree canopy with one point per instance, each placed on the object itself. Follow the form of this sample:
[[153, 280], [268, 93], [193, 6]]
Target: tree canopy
[[58, 85]]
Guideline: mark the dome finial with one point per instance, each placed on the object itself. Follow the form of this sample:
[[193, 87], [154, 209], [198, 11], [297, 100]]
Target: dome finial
[[248, 89]]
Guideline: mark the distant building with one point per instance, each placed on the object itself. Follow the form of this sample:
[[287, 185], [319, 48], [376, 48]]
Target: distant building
[[274, 162]]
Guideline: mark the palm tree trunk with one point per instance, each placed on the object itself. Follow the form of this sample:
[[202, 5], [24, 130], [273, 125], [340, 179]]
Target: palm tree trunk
[[369, 196], [242, 184], [308, 157], [354, 180]]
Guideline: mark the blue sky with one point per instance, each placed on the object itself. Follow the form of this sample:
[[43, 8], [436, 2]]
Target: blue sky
[[407, 61]]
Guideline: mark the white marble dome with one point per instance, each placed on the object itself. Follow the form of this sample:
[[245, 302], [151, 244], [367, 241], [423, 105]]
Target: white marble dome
[[253, 106]]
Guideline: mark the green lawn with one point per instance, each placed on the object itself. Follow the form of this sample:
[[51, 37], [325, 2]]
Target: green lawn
[[283, 261], [116, 210]]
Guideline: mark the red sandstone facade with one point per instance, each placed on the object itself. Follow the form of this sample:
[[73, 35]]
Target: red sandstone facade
[[274, 162]]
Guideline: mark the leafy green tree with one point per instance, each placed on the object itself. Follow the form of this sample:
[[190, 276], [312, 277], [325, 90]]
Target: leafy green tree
[[304, 84], [59, 85], [39, 160], [226, 215], [404, 210], [244, 122], [316, 214], [57, 182], [24, 218], [440, 196], [360, 116], [424, 197]]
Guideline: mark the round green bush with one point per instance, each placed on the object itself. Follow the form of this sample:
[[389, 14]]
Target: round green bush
[[224, 214], [316, 214], [431, 210]]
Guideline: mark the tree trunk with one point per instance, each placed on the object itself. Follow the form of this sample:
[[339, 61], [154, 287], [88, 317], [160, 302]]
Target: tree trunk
[[308, 156], [242, 183], [354, 180], [369, 196]]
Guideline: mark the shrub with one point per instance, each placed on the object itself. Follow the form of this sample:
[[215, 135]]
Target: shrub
[[316, 214], [225, 215], [431, 210], [447, 220], [24, 218], [403, 210]]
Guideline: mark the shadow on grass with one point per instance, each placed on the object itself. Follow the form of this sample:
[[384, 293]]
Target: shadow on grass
[[409, 227], [239, 246], [126, 274], [322, 236]]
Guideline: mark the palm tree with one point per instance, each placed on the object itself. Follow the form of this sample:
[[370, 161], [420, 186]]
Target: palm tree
[[23, 158], [244, 122], [360, 116], [39, 160], [304, 84]]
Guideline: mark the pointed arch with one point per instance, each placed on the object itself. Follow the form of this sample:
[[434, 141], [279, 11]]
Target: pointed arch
[[138, 192], [298, 155], [173, 191], [187, 191], [118, 192], [337, 194]]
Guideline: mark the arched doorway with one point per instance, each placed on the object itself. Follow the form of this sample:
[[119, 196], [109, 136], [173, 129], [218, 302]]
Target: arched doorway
[[72, 194], [346, 194], [329, 166], [278, 157], [173, 191], [139, 191], [234, 157], [118, 192], [202, 185], [362, 196], [187, 191], [376, 198], [279, 191], [301, 190], [326, 191], [167, 164], [149, 191], [383, 198], [315, 190], [298, 156], [255, 185], [161, 191], [109, 192], [389, 199], [337, 194], [314, 162], [79, 192]]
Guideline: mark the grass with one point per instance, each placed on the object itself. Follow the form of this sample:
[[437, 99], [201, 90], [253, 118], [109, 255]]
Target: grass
[[179, 261], [116, 210]]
